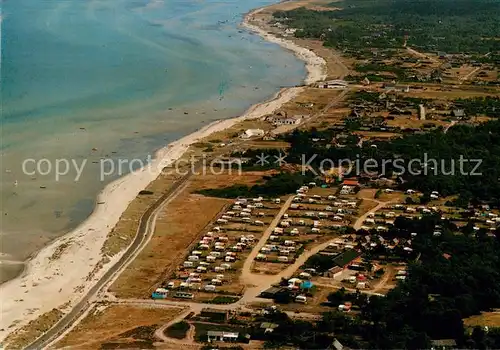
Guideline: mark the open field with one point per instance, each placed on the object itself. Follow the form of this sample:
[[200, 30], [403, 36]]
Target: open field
[[490, 319], [118, 325]]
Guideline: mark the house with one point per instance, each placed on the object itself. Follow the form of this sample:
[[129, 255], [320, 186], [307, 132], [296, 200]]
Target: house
[[222, 336], [215, 314], [335, 272], [270, 292], [353, 183], [396, 88], [458, 113], [285, 120], [249, 133], [344, 259], [333, 84]]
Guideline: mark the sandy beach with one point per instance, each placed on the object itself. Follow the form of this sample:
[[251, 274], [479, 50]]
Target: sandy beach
[[49, 283], [315, 65]]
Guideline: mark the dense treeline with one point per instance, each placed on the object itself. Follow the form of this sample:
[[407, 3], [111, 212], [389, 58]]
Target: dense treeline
[[462, 161], [453, 26], [272, 186]]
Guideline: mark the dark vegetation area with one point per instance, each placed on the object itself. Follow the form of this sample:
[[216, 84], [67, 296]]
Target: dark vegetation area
[[454, 277], [177, 330], [452, 26], [464, 161], [433, 161], [488, 106]]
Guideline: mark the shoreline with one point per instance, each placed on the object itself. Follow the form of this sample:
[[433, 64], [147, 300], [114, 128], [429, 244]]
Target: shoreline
[[315, 65], [45, 284]]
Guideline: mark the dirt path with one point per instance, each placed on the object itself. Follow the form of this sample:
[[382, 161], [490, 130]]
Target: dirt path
[[389, 271], [359, 222], [247, 277], [465, 78], [449, 126], [421, 55]]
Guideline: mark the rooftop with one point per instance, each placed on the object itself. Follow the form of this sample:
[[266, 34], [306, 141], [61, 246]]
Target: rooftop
[[223, 334], [346, 257]]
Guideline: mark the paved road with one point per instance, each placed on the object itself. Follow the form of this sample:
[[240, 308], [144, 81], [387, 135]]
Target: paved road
[[421, 55], [449, 126], [143, 234]]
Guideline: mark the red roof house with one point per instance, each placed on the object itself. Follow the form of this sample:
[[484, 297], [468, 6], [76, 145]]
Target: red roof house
[[350, 183]]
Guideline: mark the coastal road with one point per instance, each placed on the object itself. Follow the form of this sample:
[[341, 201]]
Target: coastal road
[[143, 234]]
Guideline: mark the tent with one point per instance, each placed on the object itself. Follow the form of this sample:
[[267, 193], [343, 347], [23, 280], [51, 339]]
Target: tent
[[306, 285]]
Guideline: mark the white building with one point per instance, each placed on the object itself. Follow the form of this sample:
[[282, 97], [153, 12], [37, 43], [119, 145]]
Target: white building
[[333, 84], [278, 120], [249, 133]]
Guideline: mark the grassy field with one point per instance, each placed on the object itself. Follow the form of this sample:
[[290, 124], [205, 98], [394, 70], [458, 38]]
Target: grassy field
[[131, 326]]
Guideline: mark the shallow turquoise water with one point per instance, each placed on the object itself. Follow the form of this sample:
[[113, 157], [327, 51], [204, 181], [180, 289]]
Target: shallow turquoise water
[[117, 77]]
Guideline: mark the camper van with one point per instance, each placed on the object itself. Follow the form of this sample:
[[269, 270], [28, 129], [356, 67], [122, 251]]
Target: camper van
[[209, 288], [160, 293], [283, 258], [261, 256], [193, 258], [188, 264], [184, 295], [301, 299]]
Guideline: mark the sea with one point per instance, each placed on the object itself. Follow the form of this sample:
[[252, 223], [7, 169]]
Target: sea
[[86, 80]]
